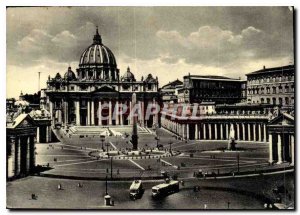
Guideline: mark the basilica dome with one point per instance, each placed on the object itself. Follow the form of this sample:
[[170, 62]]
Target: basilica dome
[[97, 54]]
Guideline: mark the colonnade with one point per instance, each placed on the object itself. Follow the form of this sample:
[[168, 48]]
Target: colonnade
[[105, 112], [245, 131], [43, 134], [21, 160], [281, 148]]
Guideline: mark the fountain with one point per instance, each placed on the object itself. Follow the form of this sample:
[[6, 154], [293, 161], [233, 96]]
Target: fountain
[[231, 141]]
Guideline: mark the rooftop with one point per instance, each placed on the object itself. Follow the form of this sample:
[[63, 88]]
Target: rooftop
[[288, 68]]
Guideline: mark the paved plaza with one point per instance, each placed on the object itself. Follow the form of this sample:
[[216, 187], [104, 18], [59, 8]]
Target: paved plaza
[[71, 161]]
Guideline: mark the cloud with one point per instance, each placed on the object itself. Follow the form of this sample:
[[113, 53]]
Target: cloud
[[212, 45]]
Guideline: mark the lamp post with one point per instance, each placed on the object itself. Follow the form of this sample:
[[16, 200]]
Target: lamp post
[[107, 145], [102, 140], [157, 139], [170, 143]]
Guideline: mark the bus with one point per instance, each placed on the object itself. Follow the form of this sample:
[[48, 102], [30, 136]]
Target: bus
[[136, 189], [170, 186]]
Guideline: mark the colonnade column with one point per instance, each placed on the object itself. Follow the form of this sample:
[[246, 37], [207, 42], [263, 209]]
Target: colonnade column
[[265, 133], [99, 113], [270, 149], [279, 149], [77, 107], [259, 133], [204, 131], [254, 131], [249, 132], [121, 117], [47, 134], [209, 131], [88, 112], [216, 131], [243, 129], [117, 111], [227, 131], [196, 132], [38, 134], [28, 154], [187, 131], [292, 150], [92, 112], [109, 113], [238, 131], [221, 128]]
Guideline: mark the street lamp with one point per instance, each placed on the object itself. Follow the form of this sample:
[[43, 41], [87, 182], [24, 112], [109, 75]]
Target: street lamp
[[157, 139], [170, 143], [107, 145], [102, 140]]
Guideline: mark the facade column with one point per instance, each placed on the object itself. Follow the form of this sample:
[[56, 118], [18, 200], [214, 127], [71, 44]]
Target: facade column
[[109, 113], [222, 132], [187, 131], [51, 111], [279, 147], [227, 132], [292, 150], [204, 131], [77, 107], [244, 131], [17, 156], [99, 114], [265, 133], [122, 116], [238, 131], [183, 131], [270, 149], [28, 154], [143, 113], [249, 132], [254, 131], [259, 133], [209, 131], [129, 116], [88, 112], [196, 132], [92, 112], [216, 131], [47, 134], [11, 161], [117, 111], [38, 134]]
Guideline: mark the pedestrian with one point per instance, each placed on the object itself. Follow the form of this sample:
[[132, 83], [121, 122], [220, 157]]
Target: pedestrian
[[59, 187]]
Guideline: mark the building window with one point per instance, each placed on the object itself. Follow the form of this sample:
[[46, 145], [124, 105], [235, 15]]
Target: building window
[[280, 101], [286, 89], [262, 90], [287, 100], [274, 79], [268, 90], [72, 88], [149, 86], [262, 100], [274, 90], [268, 100], [280, 78], [274, 101], [280, 89], [292, 88], [268, 79]]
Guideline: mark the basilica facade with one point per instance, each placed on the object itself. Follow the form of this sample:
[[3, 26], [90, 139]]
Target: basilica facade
[[97, 94]]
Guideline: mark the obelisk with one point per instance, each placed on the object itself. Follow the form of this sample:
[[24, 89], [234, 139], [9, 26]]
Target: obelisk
[[134, 137]]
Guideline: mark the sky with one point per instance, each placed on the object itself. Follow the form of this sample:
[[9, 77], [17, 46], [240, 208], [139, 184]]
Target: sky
[[168, 42]]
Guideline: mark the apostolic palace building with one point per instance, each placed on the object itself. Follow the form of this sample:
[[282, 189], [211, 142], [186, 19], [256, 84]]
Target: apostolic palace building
[[97, 91]]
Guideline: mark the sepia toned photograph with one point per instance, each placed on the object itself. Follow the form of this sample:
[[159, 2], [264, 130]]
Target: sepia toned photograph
[[150, 108]]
